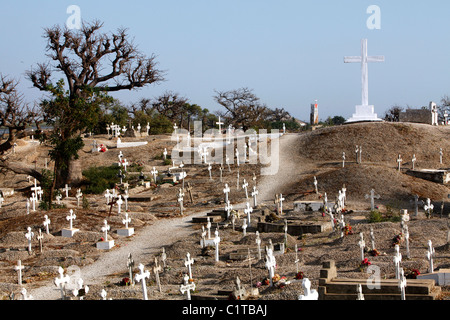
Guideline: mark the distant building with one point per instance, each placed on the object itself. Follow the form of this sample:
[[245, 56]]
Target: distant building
[[314, 117], [428, 116]]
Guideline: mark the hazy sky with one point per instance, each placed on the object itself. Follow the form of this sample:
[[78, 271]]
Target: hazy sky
[[289, 52]]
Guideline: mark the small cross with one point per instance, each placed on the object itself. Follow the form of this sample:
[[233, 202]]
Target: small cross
[[19, 269], [71, 217], [188, 262], [141, 278], [156, 269], [61, 281], [187, 287], [126, 220], [29, 235], [105, 229], [244, 186]]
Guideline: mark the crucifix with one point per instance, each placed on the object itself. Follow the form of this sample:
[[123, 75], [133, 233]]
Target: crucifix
[[19, 269], [141, 278], [364, 111]]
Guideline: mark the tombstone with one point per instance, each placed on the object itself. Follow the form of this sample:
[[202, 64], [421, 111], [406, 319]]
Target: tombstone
[[216, 244], [188, 263], [308, 293], [156, 269], [430, 254], [187, 287], [364, 112], [126, 232], [140, 277], [29, 236], [61, 282], [19, 269], [68, 233], [105, 244]]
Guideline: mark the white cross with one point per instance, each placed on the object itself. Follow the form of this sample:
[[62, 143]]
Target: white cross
[[372, 199], [61, 281], [35, 188], [245, 186], [258, 243], [126, 220], [308, 293], [430, 254], [248, 211], [187, 287], [46, 223], [364, 59], [362, 245], [372, 238], [40, 237], [220, 123], [19, 269], [66, 189], [119, 202], [216, 243], [126, 196], [78, 196], [180, 199], [154, 172], [141, 278], [397, 260], [270, 265], [228, 208], [156, 269], [399, 161], [402, 284], [188, 262], [29, 235], [226, 191], [209, 169], [165, 153], [105, 229], [33, 200], [125, 163], [25, 295], [281, 199], [208, 227], [175, 127], [244, 227], [343, 159], [70, 218], [413, 161], [315, 185], [429, 208], [254, 194]]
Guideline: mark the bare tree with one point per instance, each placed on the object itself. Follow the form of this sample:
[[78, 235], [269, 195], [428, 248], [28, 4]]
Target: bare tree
[[93, 64], [15, 115], [242, 108], [172, 106]]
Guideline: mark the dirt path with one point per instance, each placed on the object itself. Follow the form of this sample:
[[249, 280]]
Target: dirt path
[[152, 238]]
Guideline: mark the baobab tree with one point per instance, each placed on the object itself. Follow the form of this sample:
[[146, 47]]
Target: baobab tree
[[90, 64]]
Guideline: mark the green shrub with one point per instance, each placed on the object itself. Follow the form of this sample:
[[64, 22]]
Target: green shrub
[[98, 179]]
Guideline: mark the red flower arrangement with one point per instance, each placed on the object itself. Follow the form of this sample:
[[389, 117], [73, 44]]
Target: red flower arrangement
[[348, 229], [412, 274], [125, 282], [398, 239], [300, 275], [364, 264]]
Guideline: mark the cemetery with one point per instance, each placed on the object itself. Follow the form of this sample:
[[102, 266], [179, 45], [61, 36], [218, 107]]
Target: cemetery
[[313, 230]]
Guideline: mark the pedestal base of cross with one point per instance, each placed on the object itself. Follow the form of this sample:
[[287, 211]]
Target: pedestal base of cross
[[68, 233], [364, 114], [105, 245], [126, 232]]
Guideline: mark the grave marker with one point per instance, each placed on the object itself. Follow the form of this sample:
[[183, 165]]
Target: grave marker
[[156, 269], [362, 245], [397, 260], [61, 281], [430, 254], [19, 269], [188, 263], [187, 287], [130, 266], [127, 232], [68, 233], [216, 243], [140, 277], [29, 236], [308, 293], [46, 223], [105, 244]]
